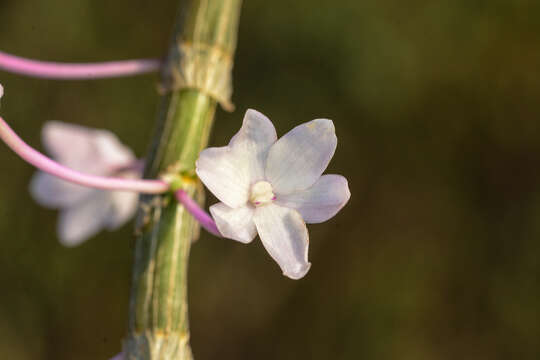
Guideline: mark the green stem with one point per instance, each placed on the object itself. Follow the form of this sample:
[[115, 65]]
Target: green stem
[[196, 78]]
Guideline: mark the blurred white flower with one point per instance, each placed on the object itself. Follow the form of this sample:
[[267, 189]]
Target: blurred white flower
[[85, 211], [274, 187]]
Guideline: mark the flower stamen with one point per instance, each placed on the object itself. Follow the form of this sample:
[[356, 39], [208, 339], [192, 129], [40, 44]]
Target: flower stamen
[[261, 193]]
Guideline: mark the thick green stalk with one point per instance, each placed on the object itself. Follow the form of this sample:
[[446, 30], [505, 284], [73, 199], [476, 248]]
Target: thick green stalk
[[196, 78]]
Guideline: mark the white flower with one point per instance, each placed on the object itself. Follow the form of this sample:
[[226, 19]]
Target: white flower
[[274, 187], [85, 211]]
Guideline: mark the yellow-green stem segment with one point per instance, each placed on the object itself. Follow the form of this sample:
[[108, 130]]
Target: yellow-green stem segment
[[195, 78]]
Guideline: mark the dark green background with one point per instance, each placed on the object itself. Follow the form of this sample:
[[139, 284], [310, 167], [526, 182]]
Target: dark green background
[[436, 256]]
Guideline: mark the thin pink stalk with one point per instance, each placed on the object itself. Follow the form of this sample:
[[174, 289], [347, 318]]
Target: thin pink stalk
[[55, 70], [199, 214], [43, 163]]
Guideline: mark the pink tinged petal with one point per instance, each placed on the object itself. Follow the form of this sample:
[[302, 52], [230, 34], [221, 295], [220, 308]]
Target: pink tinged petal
[[321, 201], [285, 237], [224, 175], [229, 171], [69, 144], [51, 192], [124, 206], [92, 151], [253, 142], [257, 133], [85, 219], [236, 224], [299, 158], [118, 357], [112, 151]]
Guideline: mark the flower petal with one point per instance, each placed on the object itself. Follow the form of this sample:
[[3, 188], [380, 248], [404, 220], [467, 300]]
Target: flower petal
[[112, 151], [285, 237], [85, 219], [236, 224], [229, 171], [118, 357], [321, 201], [223, 173], [93, 151], [51, 192], [124, 206], [256, 129], [299, 158]]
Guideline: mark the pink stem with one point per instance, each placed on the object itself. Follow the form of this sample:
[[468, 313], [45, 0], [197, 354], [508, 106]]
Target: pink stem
[[43, 163], [54, 70], [199, 214]]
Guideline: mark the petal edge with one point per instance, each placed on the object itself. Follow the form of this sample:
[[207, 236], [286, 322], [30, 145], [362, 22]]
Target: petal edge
[[299, 157], [224, 174], [284, 235], [236, 224], [320, 202]]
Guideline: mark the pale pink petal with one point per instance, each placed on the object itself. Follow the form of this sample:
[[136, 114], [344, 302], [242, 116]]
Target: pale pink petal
[[225, 175], [93, 151], [70, 145], [229, 171], [285, 237], [112, 151], [85, 219], [321, 201], [124, 206], [236, 224], [299, 158], [51, 192], [118, 357], [255, 137]]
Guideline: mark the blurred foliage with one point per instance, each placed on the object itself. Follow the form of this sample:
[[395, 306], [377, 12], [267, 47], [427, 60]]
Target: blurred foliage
[[436, 256]]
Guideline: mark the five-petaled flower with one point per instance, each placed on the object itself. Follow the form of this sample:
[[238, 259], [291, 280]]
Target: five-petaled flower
[[274, 187], [85, 211]]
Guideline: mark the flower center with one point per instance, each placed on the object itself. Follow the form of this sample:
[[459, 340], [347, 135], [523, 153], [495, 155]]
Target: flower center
[[261, 193]]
